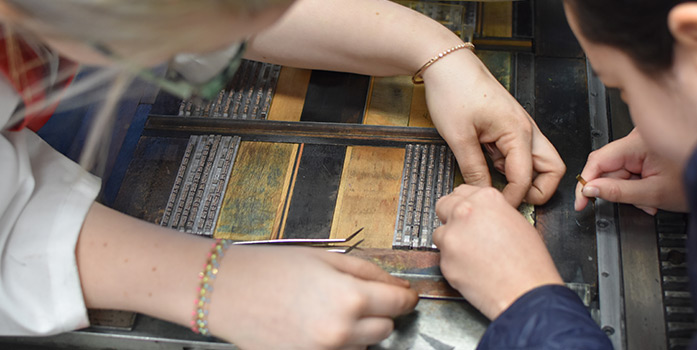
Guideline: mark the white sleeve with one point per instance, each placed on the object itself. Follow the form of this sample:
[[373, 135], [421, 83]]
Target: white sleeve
[[44, 198]]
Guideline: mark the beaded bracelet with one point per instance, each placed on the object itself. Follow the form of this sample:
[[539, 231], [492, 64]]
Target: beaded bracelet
[[417, 79], [199, 324]]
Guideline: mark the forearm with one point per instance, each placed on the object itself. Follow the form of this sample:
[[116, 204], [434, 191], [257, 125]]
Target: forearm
[[372, 37], [128, 264], [550, 317]]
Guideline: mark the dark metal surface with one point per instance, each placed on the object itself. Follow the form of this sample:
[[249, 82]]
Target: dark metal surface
[[319, 172], [553, 37], [679, 311], [643, 290], [335, 97], [293, 132], [561, 112]]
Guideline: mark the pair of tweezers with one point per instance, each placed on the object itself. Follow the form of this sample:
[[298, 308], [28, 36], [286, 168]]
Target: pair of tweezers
[[326, 243]]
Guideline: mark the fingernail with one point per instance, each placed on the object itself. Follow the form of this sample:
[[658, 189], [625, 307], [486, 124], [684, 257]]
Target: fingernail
[[589, 191]]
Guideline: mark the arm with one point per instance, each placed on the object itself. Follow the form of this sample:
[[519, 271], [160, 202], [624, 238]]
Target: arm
[[466, 103], [521, 291], [550, 317], [263, 298]]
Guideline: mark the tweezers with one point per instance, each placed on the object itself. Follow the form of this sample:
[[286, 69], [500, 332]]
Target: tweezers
[[326, 243]]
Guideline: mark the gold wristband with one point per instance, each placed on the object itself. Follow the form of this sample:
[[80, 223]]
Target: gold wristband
[[417, 79]]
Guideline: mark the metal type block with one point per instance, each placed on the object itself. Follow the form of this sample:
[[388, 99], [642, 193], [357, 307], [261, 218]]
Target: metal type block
[[418, 209], [399, 225], [411, 196], [200, 209], [194, 201], [177, 184], [427, 176], [427, 215]]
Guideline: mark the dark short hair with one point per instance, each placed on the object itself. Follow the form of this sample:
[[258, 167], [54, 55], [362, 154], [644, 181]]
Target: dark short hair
[[637, 27]]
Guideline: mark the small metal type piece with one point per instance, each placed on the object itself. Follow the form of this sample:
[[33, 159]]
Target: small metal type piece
[[324, 243], [583, 183]]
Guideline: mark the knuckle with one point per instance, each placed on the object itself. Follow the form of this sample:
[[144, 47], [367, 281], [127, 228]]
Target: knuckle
[[475, 177], [335, 335], [462, 209], [355, 303], [593, 156], [490, 194], [613, 193]]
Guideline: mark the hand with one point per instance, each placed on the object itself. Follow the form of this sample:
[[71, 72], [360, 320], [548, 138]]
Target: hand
[[489, 252], [625, 171], [469, 107], [301, 298]]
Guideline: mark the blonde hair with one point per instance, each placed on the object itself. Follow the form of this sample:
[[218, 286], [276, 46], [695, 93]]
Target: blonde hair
[[131, 20], [147, 23]]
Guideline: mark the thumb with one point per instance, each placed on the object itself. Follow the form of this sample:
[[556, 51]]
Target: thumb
[[363, 269], [632, 191], [472, 161]]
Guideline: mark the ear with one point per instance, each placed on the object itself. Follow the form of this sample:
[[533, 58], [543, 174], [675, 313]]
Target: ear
[[682, 23]]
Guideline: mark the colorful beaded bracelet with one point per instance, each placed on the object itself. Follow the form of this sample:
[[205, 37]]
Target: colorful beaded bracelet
[[199, 324]]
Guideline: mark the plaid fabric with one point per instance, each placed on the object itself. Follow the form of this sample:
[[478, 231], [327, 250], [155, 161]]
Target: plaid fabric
[[33, 77]]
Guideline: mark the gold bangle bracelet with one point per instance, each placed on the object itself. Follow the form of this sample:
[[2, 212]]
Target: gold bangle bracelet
[[417, 79]]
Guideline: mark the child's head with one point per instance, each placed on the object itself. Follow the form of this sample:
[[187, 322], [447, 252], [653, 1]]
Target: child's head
[[146, 31], [647, 49]]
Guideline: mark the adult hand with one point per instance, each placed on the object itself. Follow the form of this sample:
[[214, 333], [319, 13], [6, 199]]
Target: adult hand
[[301, 298], [625, 171], [470, 107], [489, 252]]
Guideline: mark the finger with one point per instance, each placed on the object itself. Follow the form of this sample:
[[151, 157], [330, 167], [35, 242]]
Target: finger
[[548, 170], [445, 204], [518, 154], [385, 300], [638, 192], [370, 330], [471, 160], [580, 200], [362, 269], [438, 235], [497, 159], [611, 158], [543, 187], [620, 174], [648, 210]]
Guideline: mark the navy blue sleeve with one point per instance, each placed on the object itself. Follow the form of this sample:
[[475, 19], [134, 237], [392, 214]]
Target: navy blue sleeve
[[549, 317]]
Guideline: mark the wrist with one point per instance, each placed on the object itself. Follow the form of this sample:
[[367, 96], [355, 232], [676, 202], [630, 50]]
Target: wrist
[[505, 301], [462, 64]]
